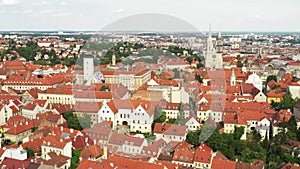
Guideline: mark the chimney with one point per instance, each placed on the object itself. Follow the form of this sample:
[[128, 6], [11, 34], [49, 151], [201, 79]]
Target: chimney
[[86, 139], [61, 128], [71, 130]]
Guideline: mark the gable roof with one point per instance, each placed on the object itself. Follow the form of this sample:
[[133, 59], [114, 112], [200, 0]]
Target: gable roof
[[169, 129], [203, 154], [87, 106]]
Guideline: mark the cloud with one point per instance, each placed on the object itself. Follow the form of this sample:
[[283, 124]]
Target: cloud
[[61, 14], [118, 10], [47, 11], [15, 12], [9, 2], [2, 11], [63, 4], [40, 4], [28, 11]]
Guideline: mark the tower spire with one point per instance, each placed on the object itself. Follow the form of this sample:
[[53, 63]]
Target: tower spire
[[232, 78]]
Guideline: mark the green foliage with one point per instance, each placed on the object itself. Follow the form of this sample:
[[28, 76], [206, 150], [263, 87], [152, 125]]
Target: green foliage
[[292, 124], [189, 59], [238, 132], [30, 152], [176, 74], [228, 144], [73, 121], [199, 78], [199, 65], [85, 121], [149, 136], [286, 103], [159, 116], [104, 88], [239, 63], [193, 137], [178, 50], [171, 121], [11, 143], [75, 158], [33, 129], [270, 78], [181, 116]]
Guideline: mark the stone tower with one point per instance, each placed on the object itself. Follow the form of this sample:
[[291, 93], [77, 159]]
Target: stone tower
[[213, 59], [232, 78]]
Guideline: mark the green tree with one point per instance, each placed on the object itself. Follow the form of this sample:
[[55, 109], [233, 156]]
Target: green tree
[[72, 120], [286, 103], [85, 121], [176, 74], [199, 78], [75, 158], [189, 59], [270, 78], [239, 63], [238, 132], [30, 152], [104, 88], [181, 115], [193, 137], [292, 124], [159, 116]]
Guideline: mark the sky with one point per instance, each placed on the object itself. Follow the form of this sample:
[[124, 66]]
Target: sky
[[80, 15]]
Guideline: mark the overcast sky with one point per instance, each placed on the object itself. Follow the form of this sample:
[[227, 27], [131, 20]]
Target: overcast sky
[[224, 15]]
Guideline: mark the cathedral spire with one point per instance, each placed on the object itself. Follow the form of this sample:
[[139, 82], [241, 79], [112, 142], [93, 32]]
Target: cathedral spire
[[209, 33], [232, 78]]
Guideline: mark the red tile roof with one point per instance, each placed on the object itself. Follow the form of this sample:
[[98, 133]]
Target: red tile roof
[[92, 151], [183, 155], [17, 129], [82, 141], [169, 129], [93, 94], [203, 154], [87, 106], [54, 141], [223, 164], [120, 139], [11, 163]]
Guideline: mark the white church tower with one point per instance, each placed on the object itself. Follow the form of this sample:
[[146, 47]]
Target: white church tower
[[213, 56], [232, 78], [88, 70]]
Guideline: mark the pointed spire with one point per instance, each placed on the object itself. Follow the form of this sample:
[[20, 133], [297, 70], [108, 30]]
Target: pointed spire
[[232, 73], [209, 34], [219, 36], [232, 78]]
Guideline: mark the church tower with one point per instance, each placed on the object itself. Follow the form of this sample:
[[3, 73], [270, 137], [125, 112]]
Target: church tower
[[232, 78], [113, 60], [219, 43], [88, 70], [213, 59]]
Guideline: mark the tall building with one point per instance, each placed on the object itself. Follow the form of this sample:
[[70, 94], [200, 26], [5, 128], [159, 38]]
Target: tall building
[[213, 56], [232, 78], [88, 70]]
